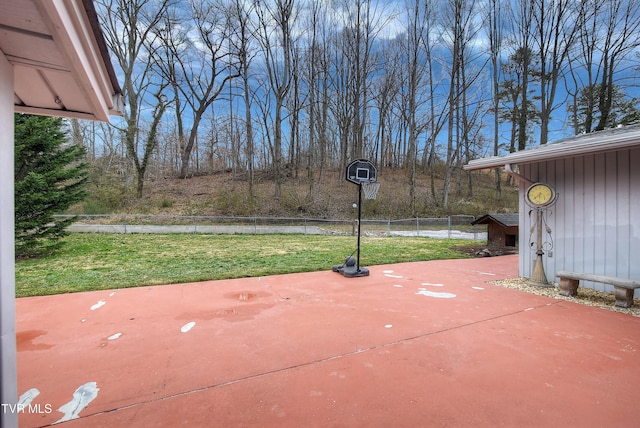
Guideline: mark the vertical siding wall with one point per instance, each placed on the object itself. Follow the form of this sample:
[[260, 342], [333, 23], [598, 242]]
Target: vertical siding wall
[[595, 223]]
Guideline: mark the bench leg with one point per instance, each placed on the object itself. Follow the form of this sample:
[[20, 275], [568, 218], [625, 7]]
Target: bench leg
[[624, 297], [568, 287]]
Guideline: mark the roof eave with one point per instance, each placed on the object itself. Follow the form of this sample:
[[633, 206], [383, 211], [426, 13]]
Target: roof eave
[[76, 30], [597, 142]]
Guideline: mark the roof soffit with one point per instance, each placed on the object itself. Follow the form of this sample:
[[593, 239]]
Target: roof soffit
[[60, 65]]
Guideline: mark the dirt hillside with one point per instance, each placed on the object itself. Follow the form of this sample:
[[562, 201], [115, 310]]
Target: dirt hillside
[[331, 197]]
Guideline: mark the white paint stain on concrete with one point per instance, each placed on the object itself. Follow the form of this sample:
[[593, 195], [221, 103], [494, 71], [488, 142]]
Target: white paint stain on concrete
[[188, 326], [397, 285], [389, 274], [430, 284], [82, 396], [114, 336], [388, 326], [478, 288], [26, 398], [113, 293], [425, 292], [98, 305]]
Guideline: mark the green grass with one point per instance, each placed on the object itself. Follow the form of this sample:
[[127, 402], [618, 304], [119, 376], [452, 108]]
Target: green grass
[[107, 261]]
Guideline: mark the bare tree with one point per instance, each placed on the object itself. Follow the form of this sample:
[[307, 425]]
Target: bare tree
[[522, 19], [276, 39], [354, 63], [311, 86], [437, 114], [295, 100], [197, 60], [323, 70], [459, 30], [340, 97], [416, 30], [555, 30], [313, 73], [607, 33], [385, 90], [129, 31], [244, 35], [494, 24], [357, 38]]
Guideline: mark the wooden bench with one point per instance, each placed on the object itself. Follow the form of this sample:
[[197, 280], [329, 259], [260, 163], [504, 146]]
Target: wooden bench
[[624, 288]]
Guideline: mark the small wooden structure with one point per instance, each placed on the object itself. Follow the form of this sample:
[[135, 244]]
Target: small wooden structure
[[502, 229]]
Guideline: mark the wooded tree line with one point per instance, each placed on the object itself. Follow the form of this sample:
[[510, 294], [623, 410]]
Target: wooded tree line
[[300, 87]]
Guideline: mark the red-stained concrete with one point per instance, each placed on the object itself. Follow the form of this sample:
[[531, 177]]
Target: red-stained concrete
[[318, 349]]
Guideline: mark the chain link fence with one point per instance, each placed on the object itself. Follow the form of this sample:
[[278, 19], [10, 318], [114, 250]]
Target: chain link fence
[[456, 226]]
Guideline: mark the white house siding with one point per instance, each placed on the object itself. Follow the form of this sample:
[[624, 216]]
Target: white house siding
[[595, 223]]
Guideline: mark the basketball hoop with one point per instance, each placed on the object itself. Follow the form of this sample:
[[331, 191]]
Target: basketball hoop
[[370, 189], [363, 173]]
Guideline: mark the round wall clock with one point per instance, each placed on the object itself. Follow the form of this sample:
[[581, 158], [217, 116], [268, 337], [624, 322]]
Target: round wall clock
[[540, 195]]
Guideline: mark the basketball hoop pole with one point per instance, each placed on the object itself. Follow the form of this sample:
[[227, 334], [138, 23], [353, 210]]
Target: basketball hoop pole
[[359, 223]]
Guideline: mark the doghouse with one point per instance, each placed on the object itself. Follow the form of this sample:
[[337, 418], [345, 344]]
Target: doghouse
[[502, 229]]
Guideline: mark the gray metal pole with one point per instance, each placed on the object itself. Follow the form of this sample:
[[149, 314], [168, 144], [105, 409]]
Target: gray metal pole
[[359, 223]]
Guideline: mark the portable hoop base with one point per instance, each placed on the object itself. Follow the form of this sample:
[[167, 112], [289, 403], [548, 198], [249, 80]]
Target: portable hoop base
[[350, 270]]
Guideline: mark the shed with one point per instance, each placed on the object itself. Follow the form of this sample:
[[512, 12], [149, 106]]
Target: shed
[[53, 61], [593, 226], [502, 229]]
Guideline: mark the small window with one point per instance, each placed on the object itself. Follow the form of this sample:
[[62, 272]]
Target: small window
[[510, 240]]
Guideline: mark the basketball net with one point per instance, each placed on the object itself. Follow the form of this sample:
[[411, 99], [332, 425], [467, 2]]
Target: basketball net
[[370, 189]]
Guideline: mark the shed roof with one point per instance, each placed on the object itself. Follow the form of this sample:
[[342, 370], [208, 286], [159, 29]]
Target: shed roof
[[504, 219], [595, 142], [60, 59]]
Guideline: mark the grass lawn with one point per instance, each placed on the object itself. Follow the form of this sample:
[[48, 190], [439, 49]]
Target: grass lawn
[[107, 261]]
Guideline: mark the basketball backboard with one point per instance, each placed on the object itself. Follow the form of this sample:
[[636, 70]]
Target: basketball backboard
[[361, 171]]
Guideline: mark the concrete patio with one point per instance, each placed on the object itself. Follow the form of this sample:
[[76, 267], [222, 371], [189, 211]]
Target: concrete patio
[[413, 344]]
